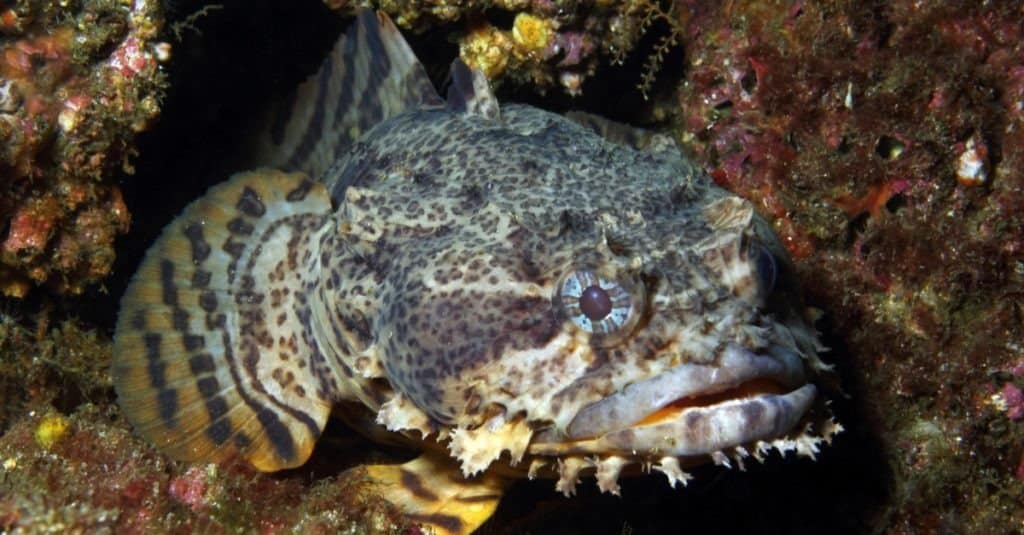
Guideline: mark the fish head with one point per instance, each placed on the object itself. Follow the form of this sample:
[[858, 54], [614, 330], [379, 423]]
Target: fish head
[[672, 331]]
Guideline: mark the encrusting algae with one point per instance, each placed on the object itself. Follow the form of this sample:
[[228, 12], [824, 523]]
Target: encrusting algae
[[78, 82], [52, 428], [532, 35], [548, 44]]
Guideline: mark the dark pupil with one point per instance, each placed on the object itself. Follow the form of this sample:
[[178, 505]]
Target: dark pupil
[[595, 303]]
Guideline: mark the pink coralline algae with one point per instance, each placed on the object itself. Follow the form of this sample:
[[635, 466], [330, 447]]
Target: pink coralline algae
[[570, 48], [190, 488], [1013, 399]]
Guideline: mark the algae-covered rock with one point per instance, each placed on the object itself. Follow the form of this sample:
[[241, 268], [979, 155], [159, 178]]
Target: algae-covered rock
[[78, 81], [886, 144], [541, 43]]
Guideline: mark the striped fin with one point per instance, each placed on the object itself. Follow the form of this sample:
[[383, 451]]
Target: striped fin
[[470, 92], [431, 492], [370, 75], [213, 354]]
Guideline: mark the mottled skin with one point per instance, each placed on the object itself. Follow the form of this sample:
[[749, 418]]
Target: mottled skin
[[454, 230], [434, 276], [461, 229]]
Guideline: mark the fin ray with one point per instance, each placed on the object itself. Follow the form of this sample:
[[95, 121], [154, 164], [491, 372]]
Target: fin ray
[[210, 353], [470, 92], [370, 75]]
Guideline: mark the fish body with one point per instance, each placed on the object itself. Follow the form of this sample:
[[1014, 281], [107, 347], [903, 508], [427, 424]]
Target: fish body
[[503, 286]]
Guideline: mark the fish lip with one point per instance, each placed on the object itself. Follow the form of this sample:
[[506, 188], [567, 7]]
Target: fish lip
[[697, 431], [737, 365], [705, 430]]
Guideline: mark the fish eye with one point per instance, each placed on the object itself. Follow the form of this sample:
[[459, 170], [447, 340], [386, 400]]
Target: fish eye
[[598, 305]]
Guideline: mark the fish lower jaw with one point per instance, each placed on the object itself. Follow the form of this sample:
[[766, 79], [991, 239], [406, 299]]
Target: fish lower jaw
[[738, 375], [723, 433]]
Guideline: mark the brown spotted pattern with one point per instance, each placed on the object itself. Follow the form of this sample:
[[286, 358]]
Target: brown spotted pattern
[[370, 76], [453, 231], [420, 277], [209, 359]]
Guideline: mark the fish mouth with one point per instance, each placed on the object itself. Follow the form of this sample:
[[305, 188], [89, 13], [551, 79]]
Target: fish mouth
[[692, 409]]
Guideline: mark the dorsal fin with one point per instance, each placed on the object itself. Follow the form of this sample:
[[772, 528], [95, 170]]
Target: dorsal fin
[[470, 93], [370, 75]]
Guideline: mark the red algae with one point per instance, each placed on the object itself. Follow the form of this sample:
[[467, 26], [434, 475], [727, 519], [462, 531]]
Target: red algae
[[886, 145], [78, 82], [99, 476]]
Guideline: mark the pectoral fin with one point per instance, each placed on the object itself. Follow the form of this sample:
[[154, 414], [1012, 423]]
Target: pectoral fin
[[432, 492], [212, 354]]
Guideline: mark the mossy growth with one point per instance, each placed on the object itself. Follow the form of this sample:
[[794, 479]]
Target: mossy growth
[[59, 365]]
